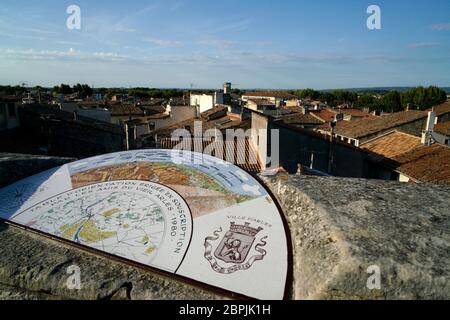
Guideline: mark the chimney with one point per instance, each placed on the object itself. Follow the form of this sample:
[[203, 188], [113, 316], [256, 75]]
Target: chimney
[[427, 134], [304, 110], [431, 121], [197, 112]]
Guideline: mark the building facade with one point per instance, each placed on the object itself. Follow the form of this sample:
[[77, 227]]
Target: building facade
[[9, 118], [206, 101]]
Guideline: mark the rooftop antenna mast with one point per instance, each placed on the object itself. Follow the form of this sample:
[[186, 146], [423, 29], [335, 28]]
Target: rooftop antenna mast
[[24, 85]]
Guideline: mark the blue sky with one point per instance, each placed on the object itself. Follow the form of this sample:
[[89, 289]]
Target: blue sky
[[252, 43]]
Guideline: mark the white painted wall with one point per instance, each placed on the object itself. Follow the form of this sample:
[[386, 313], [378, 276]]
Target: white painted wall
[[206, 101], [259, 138]]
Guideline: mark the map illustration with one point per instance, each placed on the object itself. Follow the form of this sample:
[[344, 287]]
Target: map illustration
[[203, 193], [124, 218]]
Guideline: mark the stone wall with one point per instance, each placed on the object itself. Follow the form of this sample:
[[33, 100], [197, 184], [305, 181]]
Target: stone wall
[[300, 146], [339, 228], [14, 167]]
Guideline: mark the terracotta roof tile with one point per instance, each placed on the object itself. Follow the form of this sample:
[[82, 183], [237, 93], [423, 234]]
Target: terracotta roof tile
[[404, 153], [215, 112], [125, 110], [299, 118], [326, 115], [364, 127], [356, 113], [392, 144], [441, 109], [427, 164], [245, 156]]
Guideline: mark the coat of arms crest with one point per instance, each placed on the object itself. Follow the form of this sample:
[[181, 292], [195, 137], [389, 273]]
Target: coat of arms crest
[[235, 247]]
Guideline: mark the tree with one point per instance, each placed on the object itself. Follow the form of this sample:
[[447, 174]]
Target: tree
[[327, 97], [83, 90], [62, 89], [307, 94], [391, 102], [365, 101], [343, 96], [139, 93], [424, 98], [11, 91]]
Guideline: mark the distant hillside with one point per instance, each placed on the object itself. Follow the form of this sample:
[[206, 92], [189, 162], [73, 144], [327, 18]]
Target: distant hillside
[[380, 89]]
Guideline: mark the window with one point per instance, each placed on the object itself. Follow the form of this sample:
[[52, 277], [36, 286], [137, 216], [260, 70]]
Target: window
[[11, 110]]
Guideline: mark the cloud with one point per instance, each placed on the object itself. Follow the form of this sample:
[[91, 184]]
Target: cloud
[[238, 25], [218, 43], [110, 56], [52, 55], [69, 43], [146, 10], [441, 26], [38, 54], [121, 28], [176, 5], [424, 45], [264, 43], [162, 42], [40, 31], [202, 59], [21, 36]]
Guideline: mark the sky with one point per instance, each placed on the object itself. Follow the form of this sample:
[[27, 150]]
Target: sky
[[202, 43]]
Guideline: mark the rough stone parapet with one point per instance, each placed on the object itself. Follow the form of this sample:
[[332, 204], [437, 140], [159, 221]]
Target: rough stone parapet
[[341, 227], [33, 267], [14, 167]]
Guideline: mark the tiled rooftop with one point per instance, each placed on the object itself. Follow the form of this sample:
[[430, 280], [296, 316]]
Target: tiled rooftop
[[364, 127], [427, 164], [262, 102], [356, 113], [215, 112], [392, 144], [244, 153], [441, 109], [404, 153], [125, 110], [299, 118], [326, 115]]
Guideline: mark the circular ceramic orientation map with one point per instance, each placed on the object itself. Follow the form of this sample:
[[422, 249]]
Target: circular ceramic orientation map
[[181, 212]]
